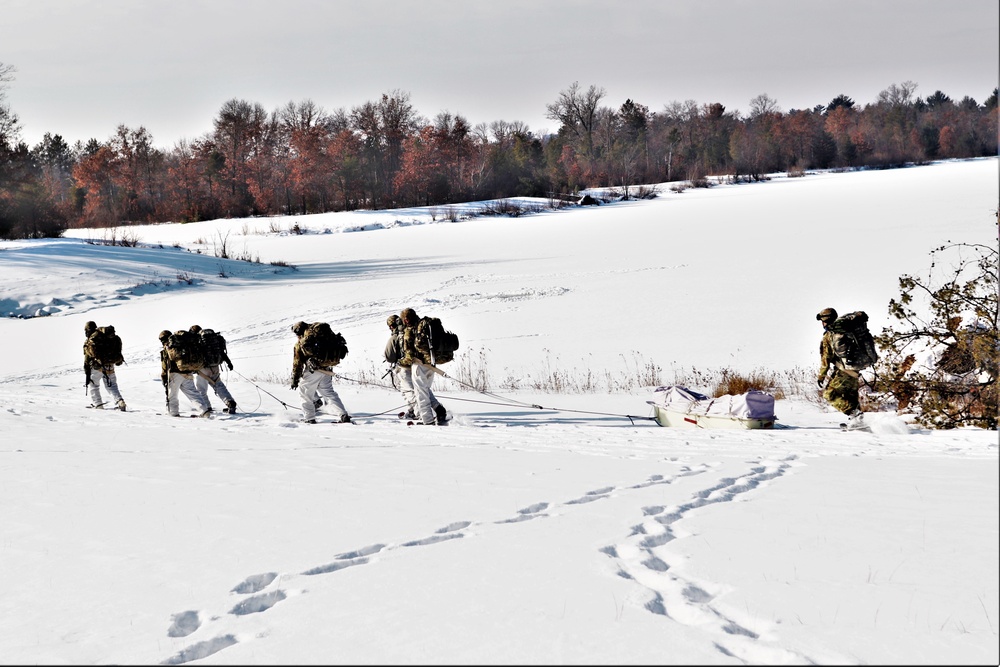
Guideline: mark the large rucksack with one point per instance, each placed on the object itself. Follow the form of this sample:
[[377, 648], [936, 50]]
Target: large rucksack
[[104, 346], [432, 337], [186, 350], [853, 342], [215, 347], [323, 345]]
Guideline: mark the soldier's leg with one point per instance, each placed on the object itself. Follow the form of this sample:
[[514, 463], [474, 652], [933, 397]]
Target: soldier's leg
[[307, 390], [173, 394], [95, 389], [189, 389], [330, 395], [842, 392], [423, 376], [405, 378]]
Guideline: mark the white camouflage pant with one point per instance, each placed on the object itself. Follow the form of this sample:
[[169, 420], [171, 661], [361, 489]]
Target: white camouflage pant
[[422, 377], [213, 379], [404, 378], [110, 381], [183, 383], [316, 384]]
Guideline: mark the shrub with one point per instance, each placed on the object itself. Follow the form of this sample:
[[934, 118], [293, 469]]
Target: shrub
[[943, 363]]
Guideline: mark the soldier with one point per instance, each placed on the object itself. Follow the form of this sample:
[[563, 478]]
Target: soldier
[[314, 380], [176, 382], [102, 351], [211, 374], [428, 409], [401, 374], [842, 386]]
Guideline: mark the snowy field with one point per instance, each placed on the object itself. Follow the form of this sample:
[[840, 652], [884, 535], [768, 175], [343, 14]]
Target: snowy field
[[538, 527]]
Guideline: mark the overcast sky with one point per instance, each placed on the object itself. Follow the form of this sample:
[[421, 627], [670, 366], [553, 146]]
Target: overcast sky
[[83, 67]]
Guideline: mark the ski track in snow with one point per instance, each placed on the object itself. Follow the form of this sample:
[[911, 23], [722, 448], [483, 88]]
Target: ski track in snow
[[642, 556]]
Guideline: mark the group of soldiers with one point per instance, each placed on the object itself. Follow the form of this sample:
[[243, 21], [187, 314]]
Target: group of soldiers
[[412, 367], [194, 384]]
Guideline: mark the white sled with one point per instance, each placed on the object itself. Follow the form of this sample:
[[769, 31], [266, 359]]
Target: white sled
[[680, 407]]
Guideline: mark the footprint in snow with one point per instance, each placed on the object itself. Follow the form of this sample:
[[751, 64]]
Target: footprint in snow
[[201, 650], [255, 583], [184, 624]]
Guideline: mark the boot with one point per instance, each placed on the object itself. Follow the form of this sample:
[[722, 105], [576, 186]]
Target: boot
[[121, 404], [441, 414], [345, 418], [231, 406]]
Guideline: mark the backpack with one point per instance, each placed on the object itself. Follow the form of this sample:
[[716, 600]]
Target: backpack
[[215, 347], [186, 350], [104, 347], [852, 342], [432, 337], [323, 345]]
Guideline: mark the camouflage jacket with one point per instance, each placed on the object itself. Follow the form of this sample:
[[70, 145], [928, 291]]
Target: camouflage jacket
[[393, 348], [166, 366], [301, 362], [828, 358], [411, 351]]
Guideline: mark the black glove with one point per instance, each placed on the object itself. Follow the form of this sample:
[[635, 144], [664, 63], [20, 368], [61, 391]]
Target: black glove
[[295, 384], [821, 383], [230, 364]]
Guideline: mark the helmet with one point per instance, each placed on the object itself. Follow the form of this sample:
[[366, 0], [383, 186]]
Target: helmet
[[164, 335], [409, 316], [195, 328], [826, 315], [299, 328], [393, 321], [89, 328]]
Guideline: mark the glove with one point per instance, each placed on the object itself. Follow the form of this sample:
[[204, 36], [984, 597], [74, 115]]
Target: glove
[[295, 384], [230, 365], [821, 383]]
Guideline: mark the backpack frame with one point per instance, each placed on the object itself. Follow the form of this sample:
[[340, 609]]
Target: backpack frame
[[852, 342], [440, 343], [104, 347], [323, 345], [187, 350]]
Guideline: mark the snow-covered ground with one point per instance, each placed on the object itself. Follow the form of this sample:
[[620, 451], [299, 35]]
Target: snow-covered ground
[[538, 527]]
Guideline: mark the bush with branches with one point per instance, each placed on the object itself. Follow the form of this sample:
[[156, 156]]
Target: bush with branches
[[943, 363]]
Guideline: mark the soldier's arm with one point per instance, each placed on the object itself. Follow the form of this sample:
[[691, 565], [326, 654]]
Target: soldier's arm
[[825, 358], [297, 363]]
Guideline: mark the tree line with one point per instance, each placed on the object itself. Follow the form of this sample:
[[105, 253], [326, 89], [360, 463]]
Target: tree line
[[302, 158]]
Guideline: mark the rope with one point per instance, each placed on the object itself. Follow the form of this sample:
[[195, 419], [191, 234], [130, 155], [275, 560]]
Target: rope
[[259, 388], [511, 402]]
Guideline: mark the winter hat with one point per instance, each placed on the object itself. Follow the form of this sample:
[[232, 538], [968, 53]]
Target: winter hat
[[827, 315], [393, 321], [89, 328], [195, 328], [299, 328]]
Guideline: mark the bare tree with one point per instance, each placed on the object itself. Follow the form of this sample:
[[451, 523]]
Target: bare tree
[[577, 111], [763, 105], [9, 129]]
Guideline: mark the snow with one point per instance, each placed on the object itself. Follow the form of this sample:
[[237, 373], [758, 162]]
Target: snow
[[539, 526]]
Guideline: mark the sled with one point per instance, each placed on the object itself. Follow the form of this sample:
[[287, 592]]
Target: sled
[[681, 407]]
